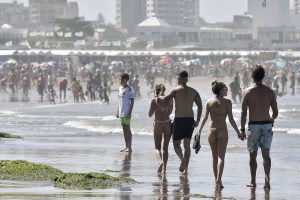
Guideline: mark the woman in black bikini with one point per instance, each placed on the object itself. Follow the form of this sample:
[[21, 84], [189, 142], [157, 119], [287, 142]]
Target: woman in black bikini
[[162, 125], [219, 108]]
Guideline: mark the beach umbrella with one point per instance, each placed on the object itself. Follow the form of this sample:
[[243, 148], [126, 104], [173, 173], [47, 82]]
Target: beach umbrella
[[51, 63], [11, 61], [277, 62], [34, 64], [44, 65], [225, 60]]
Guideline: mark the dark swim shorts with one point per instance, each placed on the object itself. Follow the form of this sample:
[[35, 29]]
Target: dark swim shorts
[[183, 128]]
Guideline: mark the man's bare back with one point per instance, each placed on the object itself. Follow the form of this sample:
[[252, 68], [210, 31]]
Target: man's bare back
[[259, 98], [184, 97]]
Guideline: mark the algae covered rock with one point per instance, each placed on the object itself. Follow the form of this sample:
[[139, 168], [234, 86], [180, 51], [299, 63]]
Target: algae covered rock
[[23, 170], [89, 181], [8, 135], [27, 171]]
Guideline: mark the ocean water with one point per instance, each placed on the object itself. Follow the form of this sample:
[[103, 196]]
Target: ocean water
[[84, 137]]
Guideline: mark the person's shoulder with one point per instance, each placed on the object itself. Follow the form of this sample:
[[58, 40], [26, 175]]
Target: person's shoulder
[[193, 90], [227, 102], [154, 100], [210, 100]]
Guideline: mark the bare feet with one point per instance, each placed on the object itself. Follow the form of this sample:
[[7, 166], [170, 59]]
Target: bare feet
[[126, 150], [219, 185], [252, 185], [267, 185], [182, 165], [159, 170]]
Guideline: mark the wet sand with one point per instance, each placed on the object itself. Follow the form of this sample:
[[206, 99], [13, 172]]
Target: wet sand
[[101, 154]]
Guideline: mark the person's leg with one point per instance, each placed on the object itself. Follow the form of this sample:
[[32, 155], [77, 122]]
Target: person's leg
[[222, 144], [158, 129], [167, 137], [187, 153], [214, 151], [253, 167], [60, 93], [267, 166], [128, 137], [124, 134], [65, 93], [178, 151]]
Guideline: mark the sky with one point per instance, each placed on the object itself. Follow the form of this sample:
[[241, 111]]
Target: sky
[[210, 10]]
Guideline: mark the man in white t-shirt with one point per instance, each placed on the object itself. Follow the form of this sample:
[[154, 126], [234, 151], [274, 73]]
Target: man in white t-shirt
[[126, 102]]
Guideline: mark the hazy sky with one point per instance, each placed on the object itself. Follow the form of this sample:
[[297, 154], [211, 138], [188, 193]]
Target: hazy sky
[[210, 10]]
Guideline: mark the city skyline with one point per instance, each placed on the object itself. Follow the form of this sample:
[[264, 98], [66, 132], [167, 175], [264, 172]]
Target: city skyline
[[107, 8]]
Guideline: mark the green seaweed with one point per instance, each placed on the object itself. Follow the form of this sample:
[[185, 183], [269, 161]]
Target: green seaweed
[[89, 181], [201, 196], [26, 171], [8, 135]]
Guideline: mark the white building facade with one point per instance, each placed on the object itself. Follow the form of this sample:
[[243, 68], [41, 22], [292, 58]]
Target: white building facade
[[175, 12], [129, 13], [276, 13]]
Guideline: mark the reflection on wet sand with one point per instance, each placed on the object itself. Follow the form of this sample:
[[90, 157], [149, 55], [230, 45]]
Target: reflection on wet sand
[[183, 190], [125, 189], [161, 187], [253, 194], [218, 193]]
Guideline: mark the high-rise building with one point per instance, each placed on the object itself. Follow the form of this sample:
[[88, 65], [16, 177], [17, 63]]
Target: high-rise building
[[129, 13], [14, 14], [46, 11], [297, 7], [276, 13], [175, 12]]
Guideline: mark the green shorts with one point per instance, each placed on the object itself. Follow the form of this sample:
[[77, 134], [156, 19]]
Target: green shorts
[[125, 121]]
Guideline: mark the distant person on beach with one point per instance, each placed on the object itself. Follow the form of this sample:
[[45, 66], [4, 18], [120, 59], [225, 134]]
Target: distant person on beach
[[184, 122], [41, 83], [162, 125], [293, 82], [235, 88], [219, 108], [126, 102], [63, 85], [259, 98], [52, 95]]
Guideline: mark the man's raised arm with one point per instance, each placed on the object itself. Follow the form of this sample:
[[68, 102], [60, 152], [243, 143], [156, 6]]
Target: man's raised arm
[[168, 97]]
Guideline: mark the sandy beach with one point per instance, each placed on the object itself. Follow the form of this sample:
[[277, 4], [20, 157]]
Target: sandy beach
[[86, 137]]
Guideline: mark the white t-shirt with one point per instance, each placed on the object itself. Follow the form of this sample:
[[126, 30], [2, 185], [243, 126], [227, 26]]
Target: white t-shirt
[[125, 98]]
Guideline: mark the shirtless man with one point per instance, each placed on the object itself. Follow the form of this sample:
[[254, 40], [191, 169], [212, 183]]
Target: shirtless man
[[259, 99], [184, 122]]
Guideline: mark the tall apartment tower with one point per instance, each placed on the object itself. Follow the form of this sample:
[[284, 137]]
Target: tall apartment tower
[[129, 13], [46, 11], [175, 12], [297, 7], [275, 14], [15, 14]]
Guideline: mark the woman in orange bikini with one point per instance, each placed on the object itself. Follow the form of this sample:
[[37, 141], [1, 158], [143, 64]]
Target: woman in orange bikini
[[162, 126], [219, 108]]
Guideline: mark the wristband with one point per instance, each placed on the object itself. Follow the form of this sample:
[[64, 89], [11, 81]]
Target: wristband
[[242, 129]]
